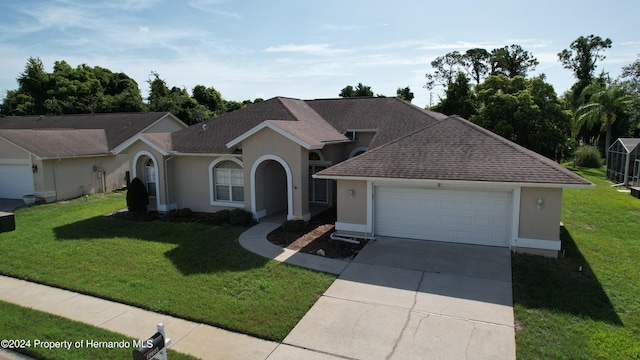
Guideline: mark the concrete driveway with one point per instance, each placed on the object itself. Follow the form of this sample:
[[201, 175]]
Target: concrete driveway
[[404, 299]]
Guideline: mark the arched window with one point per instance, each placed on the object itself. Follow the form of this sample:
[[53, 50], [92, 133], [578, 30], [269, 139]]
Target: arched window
[[150, 177], [228, 182]]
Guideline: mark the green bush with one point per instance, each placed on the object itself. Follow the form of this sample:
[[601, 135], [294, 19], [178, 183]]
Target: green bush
[[293, 225], [587, 156], [240, 217], [137, 196], [184, 213], [221, 217]]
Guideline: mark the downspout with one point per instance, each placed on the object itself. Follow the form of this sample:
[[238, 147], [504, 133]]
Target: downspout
[[55, 182]]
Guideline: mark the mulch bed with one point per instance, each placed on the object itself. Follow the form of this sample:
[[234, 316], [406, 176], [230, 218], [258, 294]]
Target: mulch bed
[[315, 237]]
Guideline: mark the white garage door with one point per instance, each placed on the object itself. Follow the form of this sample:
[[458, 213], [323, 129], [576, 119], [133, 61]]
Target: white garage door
[[15, 181], [461, 216]]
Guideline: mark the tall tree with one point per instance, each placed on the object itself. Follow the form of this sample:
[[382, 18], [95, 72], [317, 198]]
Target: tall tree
[[527, 112], [512, 61], [359, 90], [404, 94], [477, 61], [459, 98], [581, 58], [630, 80], [446, 67], [604, 106]]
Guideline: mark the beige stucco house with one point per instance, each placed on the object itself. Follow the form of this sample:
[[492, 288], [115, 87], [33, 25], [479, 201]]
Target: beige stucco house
[[62, 157], [391, 169]]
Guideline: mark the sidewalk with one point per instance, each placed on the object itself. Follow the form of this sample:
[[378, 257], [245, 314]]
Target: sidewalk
[[200, 340]]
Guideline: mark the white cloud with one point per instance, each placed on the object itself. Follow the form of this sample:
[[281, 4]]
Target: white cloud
[[309, 49]]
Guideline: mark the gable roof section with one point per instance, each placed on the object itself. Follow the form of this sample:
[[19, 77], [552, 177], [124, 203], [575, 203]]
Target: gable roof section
[[309, 129], [118, 127], [458, 150], [390, 117], [629, 144], [59, 143]]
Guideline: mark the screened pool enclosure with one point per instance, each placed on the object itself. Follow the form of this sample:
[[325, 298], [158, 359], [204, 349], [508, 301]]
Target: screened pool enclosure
[[623, 162]]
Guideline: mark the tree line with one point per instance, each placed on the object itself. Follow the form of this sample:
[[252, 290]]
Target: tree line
[[86, 89], [494, 90]]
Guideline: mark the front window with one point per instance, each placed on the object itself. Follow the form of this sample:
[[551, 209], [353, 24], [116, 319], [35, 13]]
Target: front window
[[150, 177], [229, 182], [318, 188]]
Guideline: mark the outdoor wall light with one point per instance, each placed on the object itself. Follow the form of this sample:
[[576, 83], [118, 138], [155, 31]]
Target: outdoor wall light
[[539, 203], [351, 193]]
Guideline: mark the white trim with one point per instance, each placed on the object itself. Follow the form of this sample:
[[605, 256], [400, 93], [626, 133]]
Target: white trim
[[267, 124], [362, 130], [457, 183], [360, 148], [361, 228], [118, 149], [212, 199], [539, 244], [287, 170], [155, 164], [370, 203]]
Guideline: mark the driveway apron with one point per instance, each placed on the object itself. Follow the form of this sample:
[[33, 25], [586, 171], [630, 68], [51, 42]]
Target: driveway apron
[[406, 299]]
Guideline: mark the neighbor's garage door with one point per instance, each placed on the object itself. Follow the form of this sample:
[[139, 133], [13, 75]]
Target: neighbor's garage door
[[461, 216], [15, 181]]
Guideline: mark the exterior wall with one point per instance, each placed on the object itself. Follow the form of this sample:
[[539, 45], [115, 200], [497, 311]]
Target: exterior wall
[[269, 143], [168, 124], [10, 154], [59, 179], [352, 210], [542, 224], [191, 183]]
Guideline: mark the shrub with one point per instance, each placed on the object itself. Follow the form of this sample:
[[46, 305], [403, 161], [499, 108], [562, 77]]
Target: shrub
[[221, 217], [137, 196], [587, 156], [293, 225], [240, 217], [184, 213]]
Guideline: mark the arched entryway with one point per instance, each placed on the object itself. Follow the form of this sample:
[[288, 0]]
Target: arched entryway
[[146, 169], [271, 187]]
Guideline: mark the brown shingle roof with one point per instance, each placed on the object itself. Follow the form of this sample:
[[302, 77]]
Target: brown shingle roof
[[455, 149], [323, 121], [59, 143], [118, 127]]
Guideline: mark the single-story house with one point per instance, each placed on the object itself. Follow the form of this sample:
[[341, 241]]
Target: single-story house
[[66, 156], [391, 169]]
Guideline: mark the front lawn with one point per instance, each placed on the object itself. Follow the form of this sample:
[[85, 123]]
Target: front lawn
[[587, 304], [38, 332], [194, 271]]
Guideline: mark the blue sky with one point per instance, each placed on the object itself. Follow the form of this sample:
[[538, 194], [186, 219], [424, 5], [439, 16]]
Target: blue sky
[[302, 49]]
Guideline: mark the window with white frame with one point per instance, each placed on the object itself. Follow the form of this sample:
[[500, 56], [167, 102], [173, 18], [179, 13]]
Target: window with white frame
[[150, 177], [228, 182]]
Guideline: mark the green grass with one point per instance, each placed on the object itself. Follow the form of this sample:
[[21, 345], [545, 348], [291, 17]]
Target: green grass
[[565, 313], [30, 325], [193, 271]]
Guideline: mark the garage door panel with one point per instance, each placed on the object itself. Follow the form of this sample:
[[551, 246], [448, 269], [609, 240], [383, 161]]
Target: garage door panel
[[15, 181], [464, 216]]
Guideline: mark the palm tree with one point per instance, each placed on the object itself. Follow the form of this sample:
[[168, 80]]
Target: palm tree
[[603, 105]]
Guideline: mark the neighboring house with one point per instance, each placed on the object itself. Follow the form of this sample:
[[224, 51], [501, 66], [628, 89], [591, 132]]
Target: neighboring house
[[391, 168], [61, 157]]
